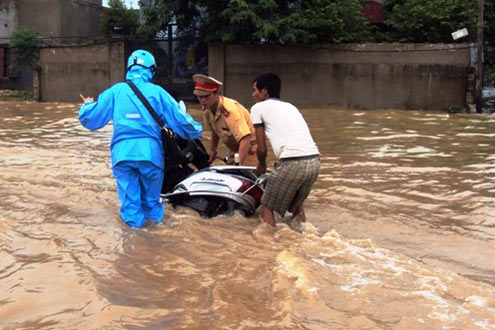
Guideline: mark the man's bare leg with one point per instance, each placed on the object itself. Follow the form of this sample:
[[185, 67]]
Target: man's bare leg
[[267, 215], [299, 214]]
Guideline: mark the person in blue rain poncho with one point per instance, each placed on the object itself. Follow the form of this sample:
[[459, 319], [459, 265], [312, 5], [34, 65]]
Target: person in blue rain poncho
[[136, 146]]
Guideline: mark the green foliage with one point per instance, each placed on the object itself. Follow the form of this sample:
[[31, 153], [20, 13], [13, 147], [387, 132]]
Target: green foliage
[[454, 109], [337, 21], [489, 75], [117, 19], [434, 21], [162, 13], [429, 20], [16, 95], [323, 21], [489, 43], [262, 21], [26, 42]]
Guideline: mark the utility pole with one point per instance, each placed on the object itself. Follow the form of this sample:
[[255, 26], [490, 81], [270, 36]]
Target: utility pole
[[478, 86]]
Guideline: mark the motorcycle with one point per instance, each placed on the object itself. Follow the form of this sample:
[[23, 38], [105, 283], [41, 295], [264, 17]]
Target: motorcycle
[[210, 190]]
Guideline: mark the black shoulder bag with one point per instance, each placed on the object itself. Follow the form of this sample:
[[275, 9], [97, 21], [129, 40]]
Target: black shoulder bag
[[175, 163]]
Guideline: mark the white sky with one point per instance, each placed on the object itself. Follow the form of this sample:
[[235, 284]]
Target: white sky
[[128, 3]]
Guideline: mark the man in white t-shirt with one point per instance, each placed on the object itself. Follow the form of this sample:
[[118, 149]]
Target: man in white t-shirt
[[298, 163]]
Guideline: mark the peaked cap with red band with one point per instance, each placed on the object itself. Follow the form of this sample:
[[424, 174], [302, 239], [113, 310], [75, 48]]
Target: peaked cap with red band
[[205, 85]]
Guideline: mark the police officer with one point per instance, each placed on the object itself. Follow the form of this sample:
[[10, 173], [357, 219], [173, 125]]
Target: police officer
[[228, 121], [136, 146]]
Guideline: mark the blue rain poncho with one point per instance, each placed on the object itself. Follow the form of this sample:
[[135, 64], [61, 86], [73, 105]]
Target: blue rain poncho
[[136, 135], [136, 147]]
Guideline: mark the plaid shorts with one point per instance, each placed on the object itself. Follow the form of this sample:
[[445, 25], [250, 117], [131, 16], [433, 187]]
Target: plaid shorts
[[290, 183]]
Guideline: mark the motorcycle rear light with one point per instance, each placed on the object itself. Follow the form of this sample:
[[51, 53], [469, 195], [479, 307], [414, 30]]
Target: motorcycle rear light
[[246, 184], [254, 192]]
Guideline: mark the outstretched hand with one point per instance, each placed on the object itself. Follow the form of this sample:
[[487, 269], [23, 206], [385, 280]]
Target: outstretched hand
[[86, 99]]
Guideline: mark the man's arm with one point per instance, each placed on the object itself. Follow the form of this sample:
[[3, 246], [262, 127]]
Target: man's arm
[[259, 131], [244, 146], [174, 117], [94, 115], [213, 146]]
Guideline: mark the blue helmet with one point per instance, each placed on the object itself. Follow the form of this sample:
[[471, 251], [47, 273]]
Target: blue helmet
[[142, 58]]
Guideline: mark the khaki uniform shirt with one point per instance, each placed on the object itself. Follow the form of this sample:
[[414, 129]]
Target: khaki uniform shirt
[[231, 122]]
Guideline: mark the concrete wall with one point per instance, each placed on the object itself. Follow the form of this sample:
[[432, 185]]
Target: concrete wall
[[41, 15], [88, 18], [8, 22], [68, 71], [57, 21], [364, 76], [60, 19]]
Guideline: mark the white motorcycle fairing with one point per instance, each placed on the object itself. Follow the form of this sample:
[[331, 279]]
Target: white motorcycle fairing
[[219, 190]]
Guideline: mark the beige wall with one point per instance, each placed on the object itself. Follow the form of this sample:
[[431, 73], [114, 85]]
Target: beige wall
[[88, 18], [60, 19], [68, 71], [41, 15], [8, 19], [429, 77], [365, 76]]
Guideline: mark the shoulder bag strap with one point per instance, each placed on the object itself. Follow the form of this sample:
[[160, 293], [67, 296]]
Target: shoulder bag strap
[[148, 106]]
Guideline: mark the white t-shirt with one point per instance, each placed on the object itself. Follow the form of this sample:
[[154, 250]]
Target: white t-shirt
[[285, 127]]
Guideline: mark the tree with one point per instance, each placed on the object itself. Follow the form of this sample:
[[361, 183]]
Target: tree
[[434, 21], [489, 39], [26, 42], [118, 19], [429, 20], [263, 21], [162, 13]]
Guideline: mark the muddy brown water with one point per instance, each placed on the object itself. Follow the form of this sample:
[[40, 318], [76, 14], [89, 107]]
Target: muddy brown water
[[400, 236]]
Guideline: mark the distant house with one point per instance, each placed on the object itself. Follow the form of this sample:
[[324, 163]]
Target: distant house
[[373, 11], [59, 22]]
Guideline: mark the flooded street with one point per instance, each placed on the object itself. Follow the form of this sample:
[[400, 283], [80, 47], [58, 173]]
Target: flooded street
[[401, 233]]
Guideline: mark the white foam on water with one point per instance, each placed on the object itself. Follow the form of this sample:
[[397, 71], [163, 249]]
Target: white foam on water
[[357, 268], [485, 324], [397, 136], [476, 300], [420, 149], [476, 134]]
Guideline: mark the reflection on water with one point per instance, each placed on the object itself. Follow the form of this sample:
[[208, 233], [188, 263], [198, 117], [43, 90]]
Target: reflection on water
[[402, 224]]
